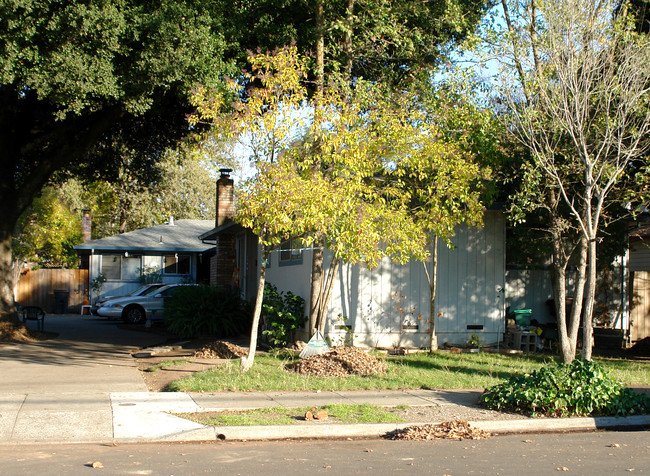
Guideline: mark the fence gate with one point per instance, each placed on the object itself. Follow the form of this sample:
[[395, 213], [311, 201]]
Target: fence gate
[[39, 287], [640, 306]]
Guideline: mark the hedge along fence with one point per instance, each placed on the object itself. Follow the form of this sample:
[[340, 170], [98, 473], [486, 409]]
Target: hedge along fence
[[195, 311]]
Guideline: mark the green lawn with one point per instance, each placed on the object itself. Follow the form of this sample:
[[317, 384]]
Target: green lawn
[[440, 370], [342, 413]]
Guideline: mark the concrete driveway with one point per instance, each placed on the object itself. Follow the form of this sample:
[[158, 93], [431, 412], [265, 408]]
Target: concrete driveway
[[90, 355]]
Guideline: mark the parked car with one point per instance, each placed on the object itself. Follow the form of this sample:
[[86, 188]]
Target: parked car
[[134, 309], [141, 291]]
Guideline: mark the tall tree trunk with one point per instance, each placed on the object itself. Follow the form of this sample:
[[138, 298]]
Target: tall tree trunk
[[568, 325], [587, 321], [578, 295], [247, 362], [320, 46], [349, 13], [6, 270], [316, 283], [326, 295], [432, 280], [319, 243]]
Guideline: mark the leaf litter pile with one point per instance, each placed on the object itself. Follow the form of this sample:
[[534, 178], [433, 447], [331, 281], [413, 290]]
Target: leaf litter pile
[[450, 430], [220, 350], [341, 362]]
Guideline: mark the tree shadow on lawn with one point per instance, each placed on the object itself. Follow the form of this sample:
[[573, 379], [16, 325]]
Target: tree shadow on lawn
[[453, 363]]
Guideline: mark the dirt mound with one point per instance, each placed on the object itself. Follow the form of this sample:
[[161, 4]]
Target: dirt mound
[[340, 362], [13, 330], [451, 430], [220, 350]]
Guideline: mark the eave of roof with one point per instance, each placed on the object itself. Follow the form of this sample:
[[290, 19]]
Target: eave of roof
[[182, 236], [230, 227]]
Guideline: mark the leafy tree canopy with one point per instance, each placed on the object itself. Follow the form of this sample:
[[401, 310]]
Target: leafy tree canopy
[[49, 230], [87, 80], [372, 39]]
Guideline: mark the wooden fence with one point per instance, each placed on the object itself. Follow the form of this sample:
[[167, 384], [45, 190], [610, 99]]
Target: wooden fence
[[640, 308], [37, 288]]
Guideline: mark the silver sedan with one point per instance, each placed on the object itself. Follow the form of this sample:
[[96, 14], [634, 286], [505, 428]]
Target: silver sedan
[[134, 309]]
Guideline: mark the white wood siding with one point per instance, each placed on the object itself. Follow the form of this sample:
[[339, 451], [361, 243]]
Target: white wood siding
[[377, 303], [530, 289], [639, 256]]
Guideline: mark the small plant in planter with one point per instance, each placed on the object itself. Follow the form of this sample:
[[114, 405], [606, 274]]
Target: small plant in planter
[[474, 343], [97, 284]]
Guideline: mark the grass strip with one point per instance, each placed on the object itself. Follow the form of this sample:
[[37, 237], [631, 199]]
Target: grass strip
[[439, 370], [337, 413]]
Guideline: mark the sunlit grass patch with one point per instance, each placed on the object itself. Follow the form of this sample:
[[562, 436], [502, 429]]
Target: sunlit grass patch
[[337, 413], [421, 370]]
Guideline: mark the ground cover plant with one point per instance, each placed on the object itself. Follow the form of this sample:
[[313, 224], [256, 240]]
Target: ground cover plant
[[580, 388], [422, 370], [340, 413]]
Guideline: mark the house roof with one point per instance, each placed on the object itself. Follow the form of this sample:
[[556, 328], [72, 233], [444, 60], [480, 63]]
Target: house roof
[[228, 227], [181, 235], [640, 233]]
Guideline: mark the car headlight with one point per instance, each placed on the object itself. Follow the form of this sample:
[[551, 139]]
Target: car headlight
[[119, 306]]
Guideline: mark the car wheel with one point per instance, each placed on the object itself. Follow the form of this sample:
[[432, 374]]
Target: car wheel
[[134, 315]]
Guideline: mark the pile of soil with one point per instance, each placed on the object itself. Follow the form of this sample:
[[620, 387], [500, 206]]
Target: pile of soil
[[451, 430], [13, 330], [341, 362], [220, 350]]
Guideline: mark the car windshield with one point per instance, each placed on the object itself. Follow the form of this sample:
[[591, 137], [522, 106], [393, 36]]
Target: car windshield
[[151, 290]]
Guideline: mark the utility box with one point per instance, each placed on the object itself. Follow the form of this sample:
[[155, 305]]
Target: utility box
[[61, 297]]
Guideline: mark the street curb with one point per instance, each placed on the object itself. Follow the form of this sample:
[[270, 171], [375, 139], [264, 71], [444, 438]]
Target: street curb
[[378, 430], [561, 424]]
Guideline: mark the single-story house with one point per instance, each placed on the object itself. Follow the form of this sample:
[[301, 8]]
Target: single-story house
[[389, 305], [169, 253], [364, 304]]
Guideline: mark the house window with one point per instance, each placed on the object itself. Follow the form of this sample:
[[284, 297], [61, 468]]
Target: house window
[[119, 267], [290, 252], [151, 264], [131, 268], [176, 264], [111, 265]]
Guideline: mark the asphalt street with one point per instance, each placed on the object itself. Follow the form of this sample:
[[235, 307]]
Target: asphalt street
[[592, 453]]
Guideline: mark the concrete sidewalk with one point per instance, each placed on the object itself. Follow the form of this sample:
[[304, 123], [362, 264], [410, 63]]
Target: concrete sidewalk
[[121, 417], [84, 387]]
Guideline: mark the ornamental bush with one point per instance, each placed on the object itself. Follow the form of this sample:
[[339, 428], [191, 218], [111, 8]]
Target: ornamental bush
[[577, 389], [283, 313], [204, 310]]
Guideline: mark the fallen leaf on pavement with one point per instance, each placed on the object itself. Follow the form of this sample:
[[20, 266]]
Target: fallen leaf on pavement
[[452, 430]]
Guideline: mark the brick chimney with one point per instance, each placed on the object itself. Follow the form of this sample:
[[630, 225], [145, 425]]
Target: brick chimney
[[222, 264], [225, 198], [86, 225]]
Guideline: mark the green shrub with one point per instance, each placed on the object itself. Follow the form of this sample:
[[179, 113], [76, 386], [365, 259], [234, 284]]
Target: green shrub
[[580, 388], [283, 313], [204, 310]]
